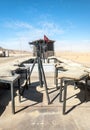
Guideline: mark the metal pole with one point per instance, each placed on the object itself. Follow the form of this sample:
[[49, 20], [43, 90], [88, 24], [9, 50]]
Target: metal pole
[[33, 66], [61, 89], [40, 72], [12, 98], [64, 100], [45, 83], [86, 88], [19, 90], [39, 56]]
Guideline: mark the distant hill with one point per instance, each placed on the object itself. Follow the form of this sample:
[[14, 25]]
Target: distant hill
[[11, 51]]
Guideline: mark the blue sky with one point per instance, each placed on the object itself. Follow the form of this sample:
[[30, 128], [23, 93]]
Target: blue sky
[[65, 21]]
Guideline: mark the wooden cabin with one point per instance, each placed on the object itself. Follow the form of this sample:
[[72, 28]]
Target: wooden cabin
[[49, 49]]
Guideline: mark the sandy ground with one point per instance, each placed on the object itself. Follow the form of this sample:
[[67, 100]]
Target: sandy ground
[[80, 57], [14, 57], [34, 114]]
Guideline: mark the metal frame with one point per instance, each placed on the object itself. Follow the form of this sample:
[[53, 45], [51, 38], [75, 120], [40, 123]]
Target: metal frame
[[26, 70], [56, 75], [11, 80], [67, 81], [38, 60]]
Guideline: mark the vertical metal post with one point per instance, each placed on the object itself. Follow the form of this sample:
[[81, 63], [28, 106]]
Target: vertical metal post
[[26, 72], [40, 68], [30, 71], [12, 98], [39, 56], [61, 89], [56, 76], [45, 83], [40, 72], [29, 76], [43, 50], [64, 100], [19, 90], [33, 66], [85, 98]]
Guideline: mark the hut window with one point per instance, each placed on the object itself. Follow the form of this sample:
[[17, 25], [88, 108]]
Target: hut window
[[50, 46]]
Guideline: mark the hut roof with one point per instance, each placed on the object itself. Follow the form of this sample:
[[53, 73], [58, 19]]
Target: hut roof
[[41, 41]]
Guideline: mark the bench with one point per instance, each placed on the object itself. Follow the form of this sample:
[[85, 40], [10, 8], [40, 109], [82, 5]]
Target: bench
[[11, 80], [66, 78]]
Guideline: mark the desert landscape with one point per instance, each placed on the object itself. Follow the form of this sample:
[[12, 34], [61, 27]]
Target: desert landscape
[[79, 57], [14, 55], [45, 65], [33, 111]]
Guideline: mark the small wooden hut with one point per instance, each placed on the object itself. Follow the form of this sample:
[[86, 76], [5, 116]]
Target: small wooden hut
[[49, 50]]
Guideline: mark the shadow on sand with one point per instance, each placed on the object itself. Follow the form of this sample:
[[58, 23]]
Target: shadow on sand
[[33, 95], [80, 95], [5, 96], [36, 96]]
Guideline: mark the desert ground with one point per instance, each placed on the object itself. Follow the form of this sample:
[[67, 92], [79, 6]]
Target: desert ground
[[33, 112], [79, 57], [15, 56]]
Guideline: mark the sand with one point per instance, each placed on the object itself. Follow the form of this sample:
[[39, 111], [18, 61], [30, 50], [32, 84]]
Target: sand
[[35, 114], [14, 57], [79, 57]]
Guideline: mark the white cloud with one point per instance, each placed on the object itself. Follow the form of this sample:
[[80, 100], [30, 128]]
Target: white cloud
[[17, 25], [25, 32], [17, 44], [51, 28], [31, 32], [65, 45], [43, 27]]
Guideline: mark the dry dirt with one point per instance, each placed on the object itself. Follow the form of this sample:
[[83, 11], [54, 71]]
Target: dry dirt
[[34, 114], [14, 57], [80, 57]]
